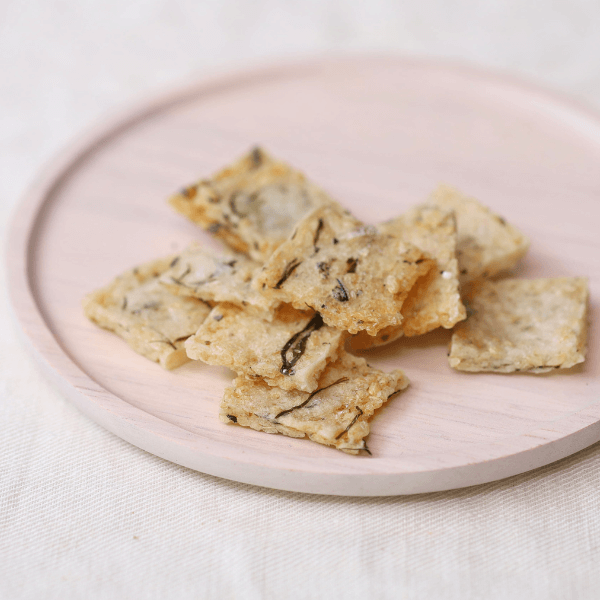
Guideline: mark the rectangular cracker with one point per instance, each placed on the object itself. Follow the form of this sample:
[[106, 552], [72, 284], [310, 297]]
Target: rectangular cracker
[[336, 414], [152, 320], [531, 325], [199, 273], [356, 277], [487, 244], [290, 351], [434, 300], [252, 205]]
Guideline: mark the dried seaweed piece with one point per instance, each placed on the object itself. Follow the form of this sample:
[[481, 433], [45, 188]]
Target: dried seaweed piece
[[290, 351], [152, 320], [336, 414], [289, 269], [265, 198], [351, 264], [317, 234], [310, 397], [534, 325], [324, 268], [359, 413], [349, 298], [296, 345], [340, 293]]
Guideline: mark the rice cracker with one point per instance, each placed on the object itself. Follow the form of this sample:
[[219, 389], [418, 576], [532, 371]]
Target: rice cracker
[[252, 205], [434, 301], [337, 413], [152, 320], [487, 244], [290, 351], [531, 325], [356, 277], [199, 273]]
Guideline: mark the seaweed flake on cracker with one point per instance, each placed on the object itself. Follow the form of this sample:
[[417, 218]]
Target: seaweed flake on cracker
[[487, 244], [152, 320], [290, 351], [252, 205], [533, 325], [435, 300], [354, 276], [199, 273], [337, 413]]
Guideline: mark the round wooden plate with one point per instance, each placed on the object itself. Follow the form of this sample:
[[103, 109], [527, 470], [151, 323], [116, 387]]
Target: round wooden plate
[[379, 134]]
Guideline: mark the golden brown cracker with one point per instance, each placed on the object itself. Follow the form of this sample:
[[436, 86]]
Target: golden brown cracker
[[290, 351], [199, 273], [252, 205], [487, 244], [531, 325], [152, 320], [434, 300], [336, 414], [356, 277]]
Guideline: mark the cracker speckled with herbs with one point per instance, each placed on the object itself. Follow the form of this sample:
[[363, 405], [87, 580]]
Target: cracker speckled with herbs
[[337, 413], [202, 274], [487, 244], [152, 320], [356, 277], [533, 325], [252, 205], [290, 351], [435, 300]]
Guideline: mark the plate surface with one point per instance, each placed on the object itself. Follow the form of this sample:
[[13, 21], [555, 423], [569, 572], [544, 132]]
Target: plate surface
[[379, 134]]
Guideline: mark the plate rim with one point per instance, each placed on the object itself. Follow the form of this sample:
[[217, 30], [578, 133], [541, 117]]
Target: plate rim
[[175, 443]]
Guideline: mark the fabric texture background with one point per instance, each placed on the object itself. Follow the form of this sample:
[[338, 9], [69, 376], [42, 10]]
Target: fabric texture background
[[83, 514]]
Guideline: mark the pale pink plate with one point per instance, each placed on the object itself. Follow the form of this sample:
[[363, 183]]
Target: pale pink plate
[[378, 134]]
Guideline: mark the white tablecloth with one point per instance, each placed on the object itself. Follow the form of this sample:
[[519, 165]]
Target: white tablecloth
[[85, 515]]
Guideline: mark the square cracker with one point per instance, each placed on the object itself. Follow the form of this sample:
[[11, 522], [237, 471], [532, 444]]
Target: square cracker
[[522, 325], [356, 277], [252, 205], [152, 320], [435, 300], [290, 351], [336, 414], [198, 273], [487, 244]]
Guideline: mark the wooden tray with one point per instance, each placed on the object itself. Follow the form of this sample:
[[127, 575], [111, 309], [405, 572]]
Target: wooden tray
[[379, 134]]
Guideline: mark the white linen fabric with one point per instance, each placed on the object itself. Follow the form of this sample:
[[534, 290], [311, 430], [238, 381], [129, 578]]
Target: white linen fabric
[[83, 514]]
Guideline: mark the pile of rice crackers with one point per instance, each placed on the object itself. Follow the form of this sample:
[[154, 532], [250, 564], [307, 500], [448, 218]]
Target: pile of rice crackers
[[304, 283]]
